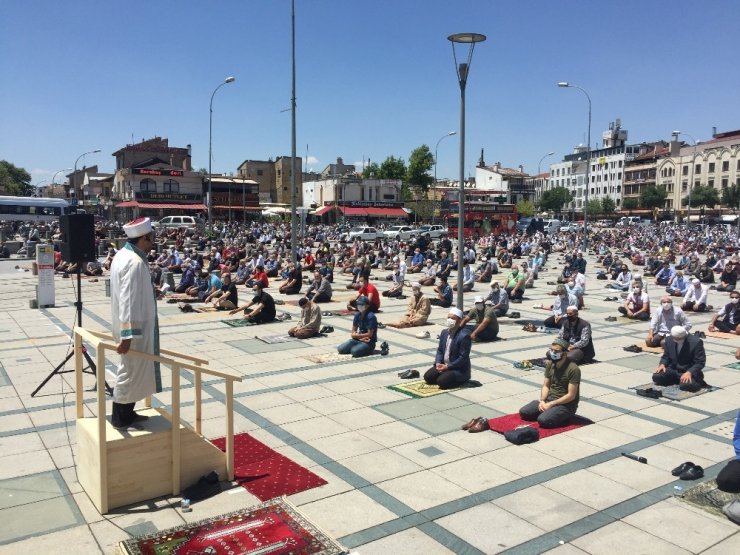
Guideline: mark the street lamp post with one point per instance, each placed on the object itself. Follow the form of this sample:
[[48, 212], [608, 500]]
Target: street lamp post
[[434, 185], [74, 175], [539, 164], [210, 146], [462, 77], [564, 84], [293, 189], [691, 179]]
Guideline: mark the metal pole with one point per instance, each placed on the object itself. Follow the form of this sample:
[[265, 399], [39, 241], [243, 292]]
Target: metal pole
[[434, 185], [210, 147], [293, 207], [461, 204], [691, 184]]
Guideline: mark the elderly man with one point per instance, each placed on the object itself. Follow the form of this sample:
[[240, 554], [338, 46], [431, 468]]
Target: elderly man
[[417, 310], [696, 297], [562, 301], [636, 305], [664, 318], [429, 273], [134, 324], [727, 318], [498, 299], [682, 362], [320, 290], [444, 293], [577, 332], [364, 334], [310, 320], [452, 362], [485, 318]]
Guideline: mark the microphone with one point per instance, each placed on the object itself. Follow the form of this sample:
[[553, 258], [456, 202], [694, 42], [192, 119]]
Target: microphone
[[642, 460]]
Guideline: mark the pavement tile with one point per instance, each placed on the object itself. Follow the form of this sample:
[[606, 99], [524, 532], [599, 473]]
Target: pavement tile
[[409, 542], [475, 474], [422, 490], [347, 513], [604, 540], [591, 489], [543, 507], [381, 465]]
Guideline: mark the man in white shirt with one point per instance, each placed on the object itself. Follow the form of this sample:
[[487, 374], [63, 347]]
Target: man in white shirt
[[664, 318], [637, 305], [696, 297]]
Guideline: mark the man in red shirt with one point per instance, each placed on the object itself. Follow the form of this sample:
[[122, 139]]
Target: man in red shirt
[[368, 290], [309, 262]]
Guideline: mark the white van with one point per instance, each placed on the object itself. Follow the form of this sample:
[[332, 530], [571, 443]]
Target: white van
[[625, 221], [551, 226]]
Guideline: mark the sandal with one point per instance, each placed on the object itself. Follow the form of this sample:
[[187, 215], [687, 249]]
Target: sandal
[[611, 318], [530, 327], [633, 349]]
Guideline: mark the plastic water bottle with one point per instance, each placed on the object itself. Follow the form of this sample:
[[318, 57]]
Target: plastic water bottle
[[185, 506]]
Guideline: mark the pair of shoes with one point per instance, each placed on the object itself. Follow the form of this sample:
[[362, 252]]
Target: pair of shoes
[[327, 313], [611, 318], [422, 335], [537, 306], [408, 374], [530, 327], [381, 325], [516, 301], [384, 348], [732, 511], [650, 392], [688, 471], [633, 349], [326, 329], [611, 299], [514, 315], [700, 334], [523, 365], [480, 426], [472, 423]]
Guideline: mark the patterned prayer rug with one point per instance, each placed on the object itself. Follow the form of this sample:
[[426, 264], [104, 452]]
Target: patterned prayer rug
[[513, 421], [265, 473], [721, 335], [655, 350], [706, 496], [272, 528], [673, 393], [420, 389], [239, 322], [328, 358], [277, 338]]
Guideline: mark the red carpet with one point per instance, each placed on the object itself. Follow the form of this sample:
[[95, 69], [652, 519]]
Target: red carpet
[[265, 473], [512, 421]]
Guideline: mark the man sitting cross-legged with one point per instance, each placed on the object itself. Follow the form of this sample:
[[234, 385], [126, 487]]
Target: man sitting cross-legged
[[320, 290], [485, 318], [261, 309], [225, 298], [560, 391], [636, 305], [417, 311], [452, 362], [682, 362], [364, 333], [310, 320]]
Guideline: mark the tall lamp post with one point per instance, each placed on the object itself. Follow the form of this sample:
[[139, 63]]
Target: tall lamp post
[[691, 179], [539, 164], [54, 177], [293, 190], [74, 175], [210, 146], [434, 185], [462, 78], [564, 84]]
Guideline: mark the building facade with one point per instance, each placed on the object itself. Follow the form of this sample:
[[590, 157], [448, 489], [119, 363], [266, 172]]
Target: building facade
[[641, 171], [514, 184], [273, 178]]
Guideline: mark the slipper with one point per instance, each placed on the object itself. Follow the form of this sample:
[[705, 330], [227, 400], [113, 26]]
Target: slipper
[[537, 306], [633, 349], [693, 473], [523, 365], [384, 348], [278, 301], [409, 374], [650, 392], [326, 329], [683, 467], [611, 318], [529, 327], [422, 335], [700, 334], [514, 315], [381, 325]]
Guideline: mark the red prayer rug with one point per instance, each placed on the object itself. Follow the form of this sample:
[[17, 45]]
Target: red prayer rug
[[272, 528], [513, 421], [264, 472]]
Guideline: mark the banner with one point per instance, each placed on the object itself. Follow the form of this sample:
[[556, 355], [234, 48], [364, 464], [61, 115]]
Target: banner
[[45, 288]]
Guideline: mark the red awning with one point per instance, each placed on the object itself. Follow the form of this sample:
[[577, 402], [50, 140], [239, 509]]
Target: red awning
[[127, 204], [387, 212], [235, 207], [171, 206], [351, 211], [323, 210]]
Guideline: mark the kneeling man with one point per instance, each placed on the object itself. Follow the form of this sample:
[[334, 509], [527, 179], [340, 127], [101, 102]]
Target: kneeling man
[[682, 362], [452, 363]]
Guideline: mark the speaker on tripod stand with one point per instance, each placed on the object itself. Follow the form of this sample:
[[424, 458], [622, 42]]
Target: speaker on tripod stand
[[78, 247]]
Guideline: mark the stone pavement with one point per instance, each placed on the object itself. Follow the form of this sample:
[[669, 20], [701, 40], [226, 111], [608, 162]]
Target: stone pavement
[[402, 476]]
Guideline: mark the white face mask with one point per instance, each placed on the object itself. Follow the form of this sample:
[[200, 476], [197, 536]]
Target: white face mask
[[451, 324], [362, 308], [734, 301], [555, 355], [480, 306], [637, 290], [667, 306]]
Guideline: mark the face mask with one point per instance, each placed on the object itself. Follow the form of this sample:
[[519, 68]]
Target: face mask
[[734, 301], [555, 355], [451, 324], [479, 306], [362, 308], [417, 293], [637, 290], [667, 306]]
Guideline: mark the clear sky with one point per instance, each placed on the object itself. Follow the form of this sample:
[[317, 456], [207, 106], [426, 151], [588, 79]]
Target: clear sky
[[374, 77]]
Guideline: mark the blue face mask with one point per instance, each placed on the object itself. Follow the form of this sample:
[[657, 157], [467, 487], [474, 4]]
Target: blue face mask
[[555, 355]]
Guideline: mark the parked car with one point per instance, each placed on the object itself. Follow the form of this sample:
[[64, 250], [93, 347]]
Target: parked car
[[625, 221], [523, 224], [434, 231], [364, 233], [401, 232], [551, 226], [568, 227], [190, 223]]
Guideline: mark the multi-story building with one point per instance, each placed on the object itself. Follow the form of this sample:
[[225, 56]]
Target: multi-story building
[[353, 196], [570, 173], [641, 171], [273, 178], [512, 183]]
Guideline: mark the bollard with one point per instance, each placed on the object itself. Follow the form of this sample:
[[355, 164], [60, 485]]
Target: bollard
[[34, 268], [107, 288]]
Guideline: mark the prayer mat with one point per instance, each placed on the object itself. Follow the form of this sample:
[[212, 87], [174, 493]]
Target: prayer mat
[[239, 322], [276, 338], [328, 358], [204, 309], [654, 350], [272, 528], [721, 335], [420, 389], [513, 421], [706, 496], [344, 312], [265, 473], [733, 365], [673, 393], [625, 320]]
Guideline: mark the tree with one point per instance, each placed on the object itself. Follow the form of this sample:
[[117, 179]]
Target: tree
[[702, 196], [630, 203], [525, 208], [594, 206], [607, 205], [731, 196], [392, 168], [653, 197], [372, 170], [14, 181], [555, 199], [421, 162]]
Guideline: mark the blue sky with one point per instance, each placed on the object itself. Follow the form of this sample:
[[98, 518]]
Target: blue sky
[[374, 78]]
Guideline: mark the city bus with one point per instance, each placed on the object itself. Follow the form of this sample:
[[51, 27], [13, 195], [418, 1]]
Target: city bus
[[32, 209]]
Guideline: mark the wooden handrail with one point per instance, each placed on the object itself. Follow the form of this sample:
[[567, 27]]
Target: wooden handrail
[[103, 335]]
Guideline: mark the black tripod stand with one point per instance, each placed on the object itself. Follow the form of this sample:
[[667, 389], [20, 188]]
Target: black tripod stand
[[90, 364]]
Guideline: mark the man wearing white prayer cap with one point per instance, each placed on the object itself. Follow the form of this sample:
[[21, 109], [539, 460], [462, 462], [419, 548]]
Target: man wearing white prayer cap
[[135, 326], [417, 310], [452, 364], [682, 362]]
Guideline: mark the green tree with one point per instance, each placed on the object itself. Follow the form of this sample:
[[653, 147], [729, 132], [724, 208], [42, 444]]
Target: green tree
[[630, 203], [653, 197], [421, 162], [525, 209], [392, 168], [607, 205], [555, 199], [731, 196], [702, 196], [14, 181], [372, 170], [594, 206]]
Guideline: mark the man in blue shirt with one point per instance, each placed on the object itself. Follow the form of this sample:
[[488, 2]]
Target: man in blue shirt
[[444, 294], [728, 478], [364, 331]]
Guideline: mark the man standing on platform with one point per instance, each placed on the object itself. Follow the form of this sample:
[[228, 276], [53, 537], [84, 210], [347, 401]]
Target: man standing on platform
[[135, 325]]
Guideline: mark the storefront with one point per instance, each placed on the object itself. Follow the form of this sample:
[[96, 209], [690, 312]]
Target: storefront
[[362, 211]]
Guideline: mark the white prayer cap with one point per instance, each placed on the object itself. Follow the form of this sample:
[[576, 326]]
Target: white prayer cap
[[478, 299], [695, 281], [138, 228], [573, 308], [456, 312], [416, 285], [678, 332]]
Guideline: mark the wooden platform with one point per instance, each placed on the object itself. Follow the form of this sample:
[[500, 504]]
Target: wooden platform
[[139, 464]]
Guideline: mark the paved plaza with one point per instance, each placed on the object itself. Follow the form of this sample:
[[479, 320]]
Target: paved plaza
[[402, 477]]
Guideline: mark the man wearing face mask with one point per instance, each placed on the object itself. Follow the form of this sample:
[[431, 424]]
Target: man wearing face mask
[[560, 391], [485, 318], [417, 311], [515, 284], [559, 306], [664, 318], [637, 304], [682, 362], [364, 333], [452, 363], [577, 332], [498, 299], [727, 318], [696, 297]]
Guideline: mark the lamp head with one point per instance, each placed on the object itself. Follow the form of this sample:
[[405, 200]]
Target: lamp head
[[550, 153], [230, 79], [563, 84], [96, 150], [466, 38], [452, 133]]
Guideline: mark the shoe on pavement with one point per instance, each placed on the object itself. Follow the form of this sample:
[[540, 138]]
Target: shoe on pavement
[[422, 335]]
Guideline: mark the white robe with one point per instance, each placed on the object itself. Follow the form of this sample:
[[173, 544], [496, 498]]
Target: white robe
[[134, 316]]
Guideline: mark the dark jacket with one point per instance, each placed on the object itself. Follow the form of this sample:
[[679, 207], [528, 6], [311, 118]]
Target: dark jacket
[[578, 334], [459, 352], [691, 358]]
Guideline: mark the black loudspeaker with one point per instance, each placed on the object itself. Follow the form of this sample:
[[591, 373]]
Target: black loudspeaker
[[79, 238]]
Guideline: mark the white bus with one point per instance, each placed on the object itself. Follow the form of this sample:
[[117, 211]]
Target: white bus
[[32, 209]]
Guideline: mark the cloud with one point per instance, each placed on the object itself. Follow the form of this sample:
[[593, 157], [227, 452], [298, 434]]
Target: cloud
[[358, 165], [312, 160]]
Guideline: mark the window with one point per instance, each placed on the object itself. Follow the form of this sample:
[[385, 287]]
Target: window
[[684, 187], [278, 173], [259, 172], [710, 183], [724, 183], [711, 167], [726, 166], [697, 168], [620, 164], [148, 186], [389, 197], [619, 175], [171, 186], [685, 170]]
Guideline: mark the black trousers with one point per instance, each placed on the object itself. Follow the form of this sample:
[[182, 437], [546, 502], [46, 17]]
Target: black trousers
[[122, 415], [672, 377], [550, 322], [728, 478], [445, 380]]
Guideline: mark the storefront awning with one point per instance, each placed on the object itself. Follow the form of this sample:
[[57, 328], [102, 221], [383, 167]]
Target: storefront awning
[[235, 207], [160, 205], [323, 210], [387, 212], [351, 211]]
